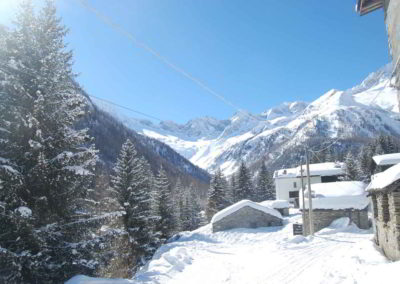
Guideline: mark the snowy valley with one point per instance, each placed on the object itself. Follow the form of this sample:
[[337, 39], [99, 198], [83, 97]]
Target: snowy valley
[[341, 253]]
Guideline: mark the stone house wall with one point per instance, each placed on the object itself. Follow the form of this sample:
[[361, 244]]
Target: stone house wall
[[324, 217], [387, 223], [246, 217]]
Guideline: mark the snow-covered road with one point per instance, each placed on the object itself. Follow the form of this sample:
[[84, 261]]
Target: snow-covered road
[[269, 255]]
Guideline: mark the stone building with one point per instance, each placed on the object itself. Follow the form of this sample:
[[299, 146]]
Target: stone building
[[245, 214], [334, 200], [392, 19], [384, 191]]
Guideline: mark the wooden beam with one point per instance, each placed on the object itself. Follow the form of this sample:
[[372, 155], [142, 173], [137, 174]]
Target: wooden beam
[[367, 6]]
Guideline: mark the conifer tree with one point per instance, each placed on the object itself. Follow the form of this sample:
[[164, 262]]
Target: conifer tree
[[265, 189], [216, 194], [196, 217], [40, 105], [351, 171], [231, 196], [166, 226], [133, 187], [244, 186], [179, 203]]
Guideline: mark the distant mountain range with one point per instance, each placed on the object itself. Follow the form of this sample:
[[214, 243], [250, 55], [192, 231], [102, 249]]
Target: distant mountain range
[[275, 135]]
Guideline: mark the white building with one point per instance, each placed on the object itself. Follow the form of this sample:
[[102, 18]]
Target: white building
[[288, 181]]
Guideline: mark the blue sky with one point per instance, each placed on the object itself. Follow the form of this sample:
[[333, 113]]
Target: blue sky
[[256, 53]]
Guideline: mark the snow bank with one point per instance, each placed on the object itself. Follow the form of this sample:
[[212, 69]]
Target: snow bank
[[340, 225], [384, 179], [337, 195], [276, 204], [388, 159], [235, 207]]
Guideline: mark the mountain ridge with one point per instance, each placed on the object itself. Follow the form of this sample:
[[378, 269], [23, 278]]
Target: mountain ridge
[[364, 111]]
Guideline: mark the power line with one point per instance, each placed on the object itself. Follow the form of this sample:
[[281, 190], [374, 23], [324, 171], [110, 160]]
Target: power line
[[118, 28], [8, 68], [126, 108]]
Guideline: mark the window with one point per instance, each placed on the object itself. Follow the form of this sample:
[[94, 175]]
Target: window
[[329, 179], [293, 194], [294, 184]]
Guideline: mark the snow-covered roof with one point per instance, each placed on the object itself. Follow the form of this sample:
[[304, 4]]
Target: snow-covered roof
[[320, 169], [239, 205], [384, 179], [323, 169], [337, 195], [387, 159], [276, 204], [285, 173]]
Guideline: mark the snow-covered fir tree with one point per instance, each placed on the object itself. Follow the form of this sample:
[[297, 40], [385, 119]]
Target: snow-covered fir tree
[[231, 196], [179, 203], [265, 189], [167, 223], [132, 184], [352, 169], [244, 185], [217, 197], [40, 105]]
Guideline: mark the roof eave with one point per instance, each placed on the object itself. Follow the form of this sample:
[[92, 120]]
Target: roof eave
[[364, 9]]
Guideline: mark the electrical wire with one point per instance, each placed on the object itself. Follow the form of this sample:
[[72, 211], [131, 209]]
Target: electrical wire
[[126, 108], [119, 29]]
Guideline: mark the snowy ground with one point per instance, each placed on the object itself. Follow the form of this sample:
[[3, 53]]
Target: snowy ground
[[266, 255]]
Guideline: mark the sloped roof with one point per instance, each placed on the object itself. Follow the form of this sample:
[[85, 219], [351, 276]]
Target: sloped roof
[[387, 159], [239, 205], [384, 179]]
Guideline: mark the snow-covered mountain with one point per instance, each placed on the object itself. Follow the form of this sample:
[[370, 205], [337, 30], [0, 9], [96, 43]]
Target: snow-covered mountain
[[363, 111]]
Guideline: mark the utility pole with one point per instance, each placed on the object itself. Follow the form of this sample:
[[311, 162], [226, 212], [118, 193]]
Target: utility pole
[[310, 213], [302, 195]]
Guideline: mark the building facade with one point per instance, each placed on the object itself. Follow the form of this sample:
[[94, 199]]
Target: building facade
[[384, 191], [288, 181], [246, 217]]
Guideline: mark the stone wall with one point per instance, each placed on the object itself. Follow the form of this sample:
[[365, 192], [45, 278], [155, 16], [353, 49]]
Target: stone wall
[[324, 217], [246, 217], [387, 224]]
